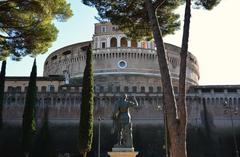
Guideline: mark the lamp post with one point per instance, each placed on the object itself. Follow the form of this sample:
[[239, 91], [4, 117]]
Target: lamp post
[[228, 107], [99, 136]]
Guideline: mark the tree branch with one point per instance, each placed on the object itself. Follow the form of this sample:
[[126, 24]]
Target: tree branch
[[9, 37], [30, 26], [2, 3], [19, 27], [157, 4]]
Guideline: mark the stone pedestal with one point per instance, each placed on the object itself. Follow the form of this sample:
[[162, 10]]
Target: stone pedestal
[[123, 152]]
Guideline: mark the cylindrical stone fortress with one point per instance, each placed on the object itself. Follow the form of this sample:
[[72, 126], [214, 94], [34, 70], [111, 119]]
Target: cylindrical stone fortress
[[120, 64]]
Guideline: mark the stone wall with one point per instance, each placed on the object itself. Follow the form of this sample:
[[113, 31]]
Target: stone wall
[[64, 106]]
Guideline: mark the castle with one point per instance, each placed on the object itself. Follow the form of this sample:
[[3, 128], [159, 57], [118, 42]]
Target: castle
[[121, 66]]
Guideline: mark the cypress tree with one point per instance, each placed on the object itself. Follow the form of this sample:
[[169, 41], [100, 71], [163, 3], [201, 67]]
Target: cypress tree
[[29, 121], [86, 116], [43, 145], [2, 83]]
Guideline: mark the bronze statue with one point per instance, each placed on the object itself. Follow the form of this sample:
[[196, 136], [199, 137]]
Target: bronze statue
[[122, 123]]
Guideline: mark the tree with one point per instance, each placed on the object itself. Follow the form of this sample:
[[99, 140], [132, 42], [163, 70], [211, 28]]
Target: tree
[[150, 14], [26, 27], [147, 17], [132, 18], [29, 114], [2, 83], [207, 4], [86, 116]]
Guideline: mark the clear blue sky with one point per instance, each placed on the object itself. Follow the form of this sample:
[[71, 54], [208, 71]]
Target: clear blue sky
[[214, 39]]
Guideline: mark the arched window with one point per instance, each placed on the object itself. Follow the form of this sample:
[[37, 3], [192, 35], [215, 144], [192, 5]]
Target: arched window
[[133, 43], [123, 42], [113, 42]]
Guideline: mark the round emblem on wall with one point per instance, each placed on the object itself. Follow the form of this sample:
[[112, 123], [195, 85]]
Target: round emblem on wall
[[122, 64]]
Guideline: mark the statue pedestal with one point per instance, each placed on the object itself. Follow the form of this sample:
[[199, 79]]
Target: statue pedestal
[[123, 152]]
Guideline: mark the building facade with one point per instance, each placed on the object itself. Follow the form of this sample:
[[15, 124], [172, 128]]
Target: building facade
[[121, 65]]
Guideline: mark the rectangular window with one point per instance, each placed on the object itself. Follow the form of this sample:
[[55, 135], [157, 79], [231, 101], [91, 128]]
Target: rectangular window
[[103, 29], [126, 89], [103, 45], [159, 89], [109, 88], [118, 89], [134, 89], [114, 28], [101, 89], [51, 88]]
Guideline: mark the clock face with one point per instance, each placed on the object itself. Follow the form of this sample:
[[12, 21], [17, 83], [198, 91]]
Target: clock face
[[122, 64]]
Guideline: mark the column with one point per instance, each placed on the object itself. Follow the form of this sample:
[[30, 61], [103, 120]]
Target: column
[[98, 42], [108, 42], [149, 45], [129, 43], [119, 41], [139, 44]]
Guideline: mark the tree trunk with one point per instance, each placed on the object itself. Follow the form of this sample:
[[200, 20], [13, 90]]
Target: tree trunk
[[176, 119], [182, 82], [2, 83], [169, 98]]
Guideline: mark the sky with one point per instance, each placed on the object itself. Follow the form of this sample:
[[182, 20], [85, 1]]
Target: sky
[[214, 39]]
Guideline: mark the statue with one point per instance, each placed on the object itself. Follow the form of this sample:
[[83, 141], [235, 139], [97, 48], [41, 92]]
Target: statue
[[122, 124], [66, 76]]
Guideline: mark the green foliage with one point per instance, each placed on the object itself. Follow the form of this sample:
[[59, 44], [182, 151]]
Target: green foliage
[[207, 4], [2, 83], [86, 116], [132, 17], [29, 121], [26, 27]]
